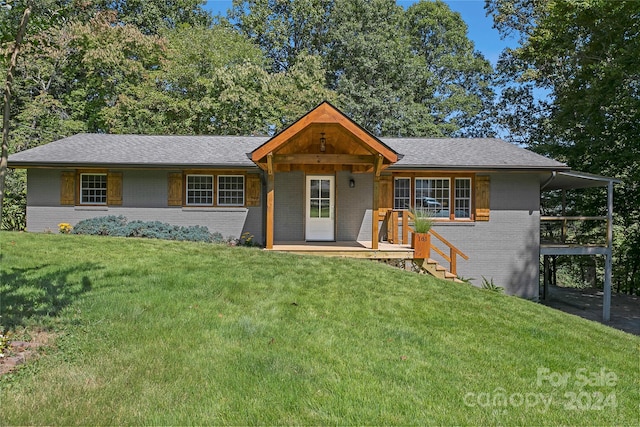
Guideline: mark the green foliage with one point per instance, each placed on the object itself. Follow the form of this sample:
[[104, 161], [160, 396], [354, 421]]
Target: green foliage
[[389, 76], [119, 227], [422, 221], [490, 286], [15, 201], [5, 339], [584, 56]]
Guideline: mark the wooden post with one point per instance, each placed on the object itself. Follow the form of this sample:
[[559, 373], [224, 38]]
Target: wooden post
[[394, 227], [405, 227], [377, 168], [452, 257], [270, 201], [374, 213]]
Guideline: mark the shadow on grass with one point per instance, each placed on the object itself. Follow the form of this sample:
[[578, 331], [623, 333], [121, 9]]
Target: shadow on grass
[[33, 294]]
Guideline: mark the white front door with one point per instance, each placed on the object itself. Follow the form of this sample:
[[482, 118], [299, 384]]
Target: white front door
[[320, 221]]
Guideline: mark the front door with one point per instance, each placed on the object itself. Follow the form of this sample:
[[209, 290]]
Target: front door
[[320, 220]]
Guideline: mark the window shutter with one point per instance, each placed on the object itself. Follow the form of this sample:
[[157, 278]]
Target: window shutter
[[175, 189], [254, 188], [385, 200], [482, 198], [68, 188], [114, 188]]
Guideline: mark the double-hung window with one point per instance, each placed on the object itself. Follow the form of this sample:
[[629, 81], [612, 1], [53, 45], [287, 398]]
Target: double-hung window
[[432, 196], [230, 190], [402, 193], [199, 190], [93, 188], [441, 197], [462, 198]]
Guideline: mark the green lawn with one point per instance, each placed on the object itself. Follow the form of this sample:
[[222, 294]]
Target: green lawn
[[155, 332]]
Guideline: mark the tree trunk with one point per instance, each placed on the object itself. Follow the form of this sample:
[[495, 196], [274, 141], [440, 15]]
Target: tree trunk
[[4, 159]]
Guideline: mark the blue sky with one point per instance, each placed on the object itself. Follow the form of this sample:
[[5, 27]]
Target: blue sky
[[486, 39]]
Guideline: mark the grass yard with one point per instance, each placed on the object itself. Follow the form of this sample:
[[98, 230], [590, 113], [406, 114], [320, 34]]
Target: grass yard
[[156, 332]]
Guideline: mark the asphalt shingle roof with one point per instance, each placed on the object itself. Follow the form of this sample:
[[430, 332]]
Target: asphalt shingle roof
[[142, 151], [482, 153], [232, 151]]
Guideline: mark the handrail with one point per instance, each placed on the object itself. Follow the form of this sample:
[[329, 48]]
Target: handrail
[[566, 231], [573, 218], [391, 221]]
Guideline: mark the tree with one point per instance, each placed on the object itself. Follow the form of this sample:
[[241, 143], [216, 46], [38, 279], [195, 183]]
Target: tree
[[378, 62], [284, 29], [457, 81], [214, 81], [585, 55], [4, 151]]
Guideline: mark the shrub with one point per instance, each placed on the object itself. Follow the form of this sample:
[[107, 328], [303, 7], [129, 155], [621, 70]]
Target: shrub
[[101, 226], [118, 226]]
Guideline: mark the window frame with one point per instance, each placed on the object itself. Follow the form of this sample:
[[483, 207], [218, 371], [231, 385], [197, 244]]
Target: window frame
[[435, 197], [403, 198], [81, 189], [220, 191], [187, 190], [468, 199], [453, 200]]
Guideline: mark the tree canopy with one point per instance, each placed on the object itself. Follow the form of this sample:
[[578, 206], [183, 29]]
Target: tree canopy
[[585, 56]]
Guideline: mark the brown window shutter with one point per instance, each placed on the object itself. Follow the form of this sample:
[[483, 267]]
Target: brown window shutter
[[175, 189], [254, 188], [385, 201], [68, 188], [114, 188], [483, 183]]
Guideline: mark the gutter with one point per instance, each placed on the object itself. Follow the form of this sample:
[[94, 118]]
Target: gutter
[[548, 181]]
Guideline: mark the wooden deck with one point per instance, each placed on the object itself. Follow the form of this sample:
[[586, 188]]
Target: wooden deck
[[572, 249], [351, 249]]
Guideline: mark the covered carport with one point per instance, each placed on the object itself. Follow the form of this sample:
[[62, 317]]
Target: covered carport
[[570, 180]]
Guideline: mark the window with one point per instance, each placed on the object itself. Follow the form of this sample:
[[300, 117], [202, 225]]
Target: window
[[432, 196], [462, 200], [231, 190], [446, 198], [93, 189], [402, 193], [200, 190]]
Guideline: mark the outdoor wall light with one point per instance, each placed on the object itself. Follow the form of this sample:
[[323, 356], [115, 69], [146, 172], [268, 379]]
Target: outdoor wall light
[[352, 183], [323, 142]]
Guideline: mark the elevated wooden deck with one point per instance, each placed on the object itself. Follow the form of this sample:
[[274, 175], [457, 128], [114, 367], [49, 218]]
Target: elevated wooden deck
[[351, 249]]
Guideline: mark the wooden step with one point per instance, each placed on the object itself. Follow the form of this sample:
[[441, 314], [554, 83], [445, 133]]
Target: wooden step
[[433, 268]]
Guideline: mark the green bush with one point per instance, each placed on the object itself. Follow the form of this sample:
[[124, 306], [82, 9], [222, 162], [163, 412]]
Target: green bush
[[119, 227]]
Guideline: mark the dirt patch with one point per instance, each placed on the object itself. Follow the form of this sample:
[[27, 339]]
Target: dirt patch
[[20, 352], [587, 303]]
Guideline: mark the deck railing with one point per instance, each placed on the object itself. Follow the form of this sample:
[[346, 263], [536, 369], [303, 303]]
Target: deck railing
[[391, 226], [573, 230]]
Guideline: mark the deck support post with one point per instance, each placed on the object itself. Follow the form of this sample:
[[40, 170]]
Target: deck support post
[[608, 264]]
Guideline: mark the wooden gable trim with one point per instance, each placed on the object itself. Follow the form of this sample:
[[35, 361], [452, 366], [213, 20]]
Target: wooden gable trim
[[323, 113]]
